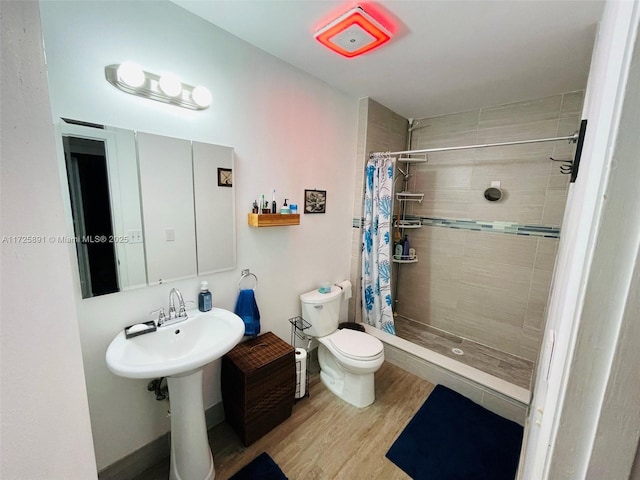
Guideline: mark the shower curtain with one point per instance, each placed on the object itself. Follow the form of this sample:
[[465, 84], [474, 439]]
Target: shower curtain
[[376, 244]]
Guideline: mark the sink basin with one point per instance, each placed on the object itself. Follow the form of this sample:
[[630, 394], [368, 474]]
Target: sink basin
[[176, 349], [179, 352]]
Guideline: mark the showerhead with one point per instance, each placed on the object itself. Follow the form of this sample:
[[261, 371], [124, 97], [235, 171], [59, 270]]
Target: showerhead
[[404, 175], [413, 124]]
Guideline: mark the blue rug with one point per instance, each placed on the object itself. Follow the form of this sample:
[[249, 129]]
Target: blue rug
[[260, 468], [453, 438]]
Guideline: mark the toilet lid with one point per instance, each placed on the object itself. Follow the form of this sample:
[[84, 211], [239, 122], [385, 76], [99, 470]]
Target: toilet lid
[[356, 345]]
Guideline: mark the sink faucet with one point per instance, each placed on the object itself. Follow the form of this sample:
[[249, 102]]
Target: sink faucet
[[173, 317], [182, 311]]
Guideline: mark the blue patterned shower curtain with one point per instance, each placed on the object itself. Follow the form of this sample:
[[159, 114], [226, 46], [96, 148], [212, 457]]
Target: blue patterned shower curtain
[[376, 244]]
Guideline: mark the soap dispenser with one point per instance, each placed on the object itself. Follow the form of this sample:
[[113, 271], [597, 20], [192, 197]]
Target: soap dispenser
[[285, 208], [204, 298]]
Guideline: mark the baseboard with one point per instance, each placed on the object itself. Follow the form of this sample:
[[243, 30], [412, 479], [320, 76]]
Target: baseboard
[[214, 415], [153, 452]]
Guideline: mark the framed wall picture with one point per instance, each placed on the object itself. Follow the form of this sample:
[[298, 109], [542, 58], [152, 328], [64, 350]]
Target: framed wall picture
[[225, 177], [315, 201]]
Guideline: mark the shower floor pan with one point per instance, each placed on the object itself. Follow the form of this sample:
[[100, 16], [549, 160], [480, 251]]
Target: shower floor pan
[[423, 359], [503, 365]]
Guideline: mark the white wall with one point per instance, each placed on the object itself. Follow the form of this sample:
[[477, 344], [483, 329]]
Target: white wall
[[46, 432], [290, 132]]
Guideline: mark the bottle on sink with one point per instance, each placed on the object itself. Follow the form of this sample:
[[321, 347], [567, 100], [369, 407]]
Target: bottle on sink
[[204, 298]]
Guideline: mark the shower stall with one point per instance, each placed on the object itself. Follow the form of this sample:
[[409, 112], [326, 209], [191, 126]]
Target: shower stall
[[479, 196]]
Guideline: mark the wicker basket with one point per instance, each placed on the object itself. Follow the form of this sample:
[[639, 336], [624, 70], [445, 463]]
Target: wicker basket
[[258, 386]]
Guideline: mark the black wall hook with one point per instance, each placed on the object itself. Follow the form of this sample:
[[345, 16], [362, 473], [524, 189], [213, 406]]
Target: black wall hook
[[566, 166]]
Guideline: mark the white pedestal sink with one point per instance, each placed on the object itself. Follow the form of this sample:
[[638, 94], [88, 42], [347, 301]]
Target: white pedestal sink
[[179, 352]]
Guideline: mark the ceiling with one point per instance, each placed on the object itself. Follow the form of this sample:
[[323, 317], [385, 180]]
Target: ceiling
[[444, 57]]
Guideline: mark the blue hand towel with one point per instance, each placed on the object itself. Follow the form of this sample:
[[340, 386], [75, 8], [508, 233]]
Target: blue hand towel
[[247, 310]]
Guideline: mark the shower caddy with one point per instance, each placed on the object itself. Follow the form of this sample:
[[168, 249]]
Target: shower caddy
[[405, 196]]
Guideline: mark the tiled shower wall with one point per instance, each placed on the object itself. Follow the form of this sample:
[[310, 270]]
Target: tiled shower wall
[[535, 190], [489, 287], [379, 130]]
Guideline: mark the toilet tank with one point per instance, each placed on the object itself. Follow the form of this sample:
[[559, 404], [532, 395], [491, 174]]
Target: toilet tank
[[322, 311]]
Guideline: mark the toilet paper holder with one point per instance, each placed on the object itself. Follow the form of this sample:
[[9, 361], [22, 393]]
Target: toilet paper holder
[[302, 378], [298, 326]]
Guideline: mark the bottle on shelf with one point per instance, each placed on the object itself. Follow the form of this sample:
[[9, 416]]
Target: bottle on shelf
[[405, 248]]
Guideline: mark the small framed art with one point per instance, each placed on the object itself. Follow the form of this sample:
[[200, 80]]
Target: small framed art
[[225, 177], [315, 201]]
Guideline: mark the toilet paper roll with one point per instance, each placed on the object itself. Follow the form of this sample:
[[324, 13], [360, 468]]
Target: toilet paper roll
[[301, 372], [346, 289]]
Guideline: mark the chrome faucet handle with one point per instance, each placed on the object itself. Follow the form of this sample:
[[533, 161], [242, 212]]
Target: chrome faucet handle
[[161, 316], [182, 312]]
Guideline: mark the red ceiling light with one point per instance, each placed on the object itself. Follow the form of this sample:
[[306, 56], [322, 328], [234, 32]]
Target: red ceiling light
[[353, 33]]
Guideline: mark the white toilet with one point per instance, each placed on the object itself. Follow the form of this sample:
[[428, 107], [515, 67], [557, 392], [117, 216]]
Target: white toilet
[[348, 358]]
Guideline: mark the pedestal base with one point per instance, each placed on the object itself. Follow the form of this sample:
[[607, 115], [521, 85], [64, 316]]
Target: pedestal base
[[191, 457]]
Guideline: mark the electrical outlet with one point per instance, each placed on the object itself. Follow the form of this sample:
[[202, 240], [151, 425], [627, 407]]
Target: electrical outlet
[[134, 236]]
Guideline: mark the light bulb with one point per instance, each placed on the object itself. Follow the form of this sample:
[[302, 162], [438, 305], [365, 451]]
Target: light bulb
[[171, 85], [201, 96], [131, 74]]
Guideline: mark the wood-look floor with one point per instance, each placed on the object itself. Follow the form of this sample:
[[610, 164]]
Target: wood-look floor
[[503, 365], [326, 438]]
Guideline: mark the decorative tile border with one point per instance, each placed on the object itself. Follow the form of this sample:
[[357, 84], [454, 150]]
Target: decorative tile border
[[509, 228]]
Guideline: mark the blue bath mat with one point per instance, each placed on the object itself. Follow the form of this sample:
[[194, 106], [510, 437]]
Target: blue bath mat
[[453, 438], [260, 468]]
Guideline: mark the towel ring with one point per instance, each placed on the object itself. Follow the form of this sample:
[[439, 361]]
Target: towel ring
[[245, 274]]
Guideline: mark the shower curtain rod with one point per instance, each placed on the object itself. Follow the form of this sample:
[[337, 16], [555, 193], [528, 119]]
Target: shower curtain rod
[[572, 139]]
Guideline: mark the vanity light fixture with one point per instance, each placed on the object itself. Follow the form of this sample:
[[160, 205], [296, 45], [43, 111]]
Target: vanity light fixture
[[131, 74], [171, 85], [202, 96], [353, 33], [168, 88]]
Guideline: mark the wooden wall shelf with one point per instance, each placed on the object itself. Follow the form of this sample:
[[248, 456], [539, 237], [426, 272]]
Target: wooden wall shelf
[[273, 219]]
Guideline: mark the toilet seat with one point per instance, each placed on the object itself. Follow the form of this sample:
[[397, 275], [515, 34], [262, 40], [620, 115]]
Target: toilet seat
[[356, 345]]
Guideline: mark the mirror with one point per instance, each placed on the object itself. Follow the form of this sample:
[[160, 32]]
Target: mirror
[[214, 200], [166, 187], [147, 209]]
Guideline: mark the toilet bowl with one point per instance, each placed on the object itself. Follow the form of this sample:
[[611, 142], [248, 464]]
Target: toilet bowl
[[348, 358]]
